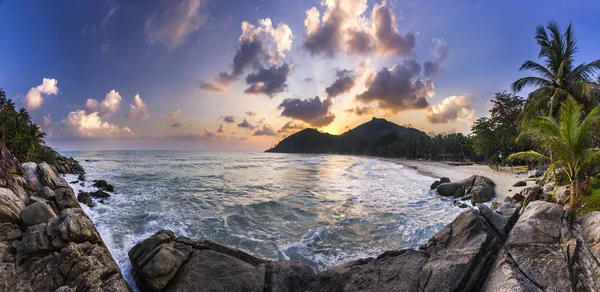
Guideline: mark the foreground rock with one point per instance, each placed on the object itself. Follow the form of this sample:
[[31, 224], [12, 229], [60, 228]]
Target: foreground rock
[[67, 165], [47, 243], [457, 258], [476, 188]]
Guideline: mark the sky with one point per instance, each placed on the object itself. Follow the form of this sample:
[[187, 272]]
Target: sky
[[242, 75]]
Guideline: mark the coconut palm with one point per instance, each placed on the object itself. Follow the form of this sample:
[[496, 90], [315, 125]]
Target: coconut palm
[[557, 78], [569, 139]]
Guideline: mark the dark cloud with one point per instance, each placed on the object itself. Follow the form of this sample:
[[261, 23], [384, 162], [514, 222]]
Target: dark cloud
[[206, 136], [398, 89], [440, 52], [246, 124], [266, 130], [308, 80], [343, 83], [176, 125], [389, 40], [360, 111], [291, 126], [360, 42], [221, 129], [311, 110], [250, 113], [229, 119], [248, 55], [224, 78], [210, 86], [268, 81]]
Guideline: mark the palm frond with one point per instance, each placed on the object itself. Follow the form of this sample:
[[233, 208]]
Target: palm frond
[[527, 156], [530, 82]]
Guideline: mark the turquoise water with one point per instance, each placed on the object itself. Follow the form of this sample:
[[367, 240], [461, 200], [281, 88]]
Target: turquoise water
[[320, 209]]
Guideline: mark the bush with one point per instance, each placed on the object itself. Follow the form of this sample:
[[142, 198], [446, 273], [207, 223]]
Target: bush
[[589, 203]]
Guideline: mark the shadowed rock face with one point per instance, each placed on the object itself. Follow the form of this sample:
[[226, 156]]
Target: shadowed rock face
[[476, 188], [47, 243]]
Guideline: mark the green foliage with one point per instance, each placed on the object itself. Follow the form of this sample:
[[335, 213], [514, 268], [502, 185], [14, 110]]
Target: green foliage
[[569, 140], [588, 204], [22, 137], [495, 136], [557, 78]]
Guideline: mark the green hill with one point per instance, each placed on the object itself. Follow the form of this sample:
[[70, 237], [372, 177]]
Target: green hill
[[364, 139]]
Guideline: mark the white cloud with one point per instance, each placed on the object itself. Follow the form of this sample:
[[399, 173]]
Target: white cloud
[[107, 107], [46, 121], [34, 99], [89, 125], [277, 40], [451, 109], [138, 108], [171, 117], [173, 21]]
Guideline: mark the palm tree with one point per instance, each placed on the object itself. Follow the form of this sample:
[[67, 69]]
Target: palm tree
[[557, 78], [35, 137], [569, 139]]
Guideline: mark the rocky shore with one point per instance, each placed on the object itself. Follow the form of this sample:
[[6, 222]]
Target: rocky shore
[[47, 242]]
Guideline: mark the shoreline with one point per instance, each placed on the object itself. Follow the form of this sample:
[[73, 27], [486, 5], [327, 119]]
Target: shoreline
[[504, 179]]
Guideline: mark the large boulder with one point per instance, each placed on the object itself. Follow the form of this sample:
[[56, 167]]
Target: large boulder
[[165, 263], [454, 189], [562, 195], [438, 182], [479, 189], [103, 185], [36, 213], [50, 178]]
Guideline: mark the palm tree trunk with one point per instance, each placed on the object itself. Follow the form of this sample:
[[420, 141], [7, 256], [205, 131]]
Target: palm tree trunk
[[573, 200]]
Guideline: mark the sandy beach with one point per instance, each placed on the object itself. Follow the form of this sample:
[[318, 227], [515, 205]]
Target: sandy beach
[[504, 178]]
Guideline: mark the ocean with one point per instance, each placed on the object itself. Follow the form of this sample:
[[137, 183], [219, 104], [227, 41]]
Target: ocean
[[323, 210]]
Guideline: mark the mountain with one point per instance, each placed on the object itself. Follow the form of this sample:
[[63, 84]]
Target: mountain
[[364, 139]]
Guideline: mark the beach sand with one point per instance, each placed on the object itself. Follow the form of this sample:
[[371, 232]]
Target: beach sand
[[504, 178]]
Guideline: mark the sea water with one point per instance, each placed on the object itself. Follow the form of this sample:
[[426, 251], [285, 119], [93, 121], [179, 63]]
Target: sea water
[[322, 210]]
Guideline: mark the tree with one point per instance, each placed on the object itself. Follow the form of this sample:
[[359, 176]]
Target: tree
[[557, 78], [569, 139]]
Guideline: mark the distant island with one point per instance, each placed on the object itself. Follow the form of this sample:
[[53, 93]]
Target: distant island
[[368, 138]]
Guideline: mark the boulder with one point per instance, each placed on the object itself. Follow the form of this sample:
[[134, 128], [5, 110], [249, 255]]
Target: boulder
[[81, 177], [562, 195], [520, 184], [479, 188], [9, 211], [86, 199], [50, 178], [65, 198], [46, 193], [454, 189], [102, 184], [36, 213], [30, 170], [438, 182], [590, 225], [99, 194]]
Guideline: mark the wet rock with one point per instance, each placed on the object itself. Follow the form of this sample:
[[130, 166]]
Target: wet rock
[[103, 185], [65, 198], [438, 182], [36, 213], [479, 188], [459, 204], [81, 177], [454, 189], [85, 198], [99, 194], [520, 184]]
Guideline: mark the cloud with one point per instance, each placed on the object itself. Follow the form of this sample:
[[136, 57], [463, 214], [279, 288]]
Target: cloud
[[343, 83], [308, 80], [111, 11], [251, 113], [176, 125], [229, 119], [138, 108], [440, 52], [361, 111], [172, 21], [46, 121], [398, 89], [345, 27], [246, 124], [210, 86], [171, 117], [221, 129], [268, 81], [451, 109], [105, 47], [107, 107], [389, 40], [311, 110], [90, 125], [291, 126], [34, 99], [266, 130]]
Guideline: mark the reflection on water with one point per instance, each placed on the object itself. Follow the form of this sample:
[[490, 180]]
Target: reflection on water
[[319, 209]]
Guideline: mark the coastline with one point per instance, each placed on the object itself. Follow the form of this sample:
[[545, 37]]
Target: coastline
[[504, 179]]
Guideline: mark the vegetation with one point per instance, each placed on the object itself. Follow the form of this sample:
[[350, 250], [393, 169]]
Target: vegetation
[[22, 137], [569, 139], [557, 78]]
